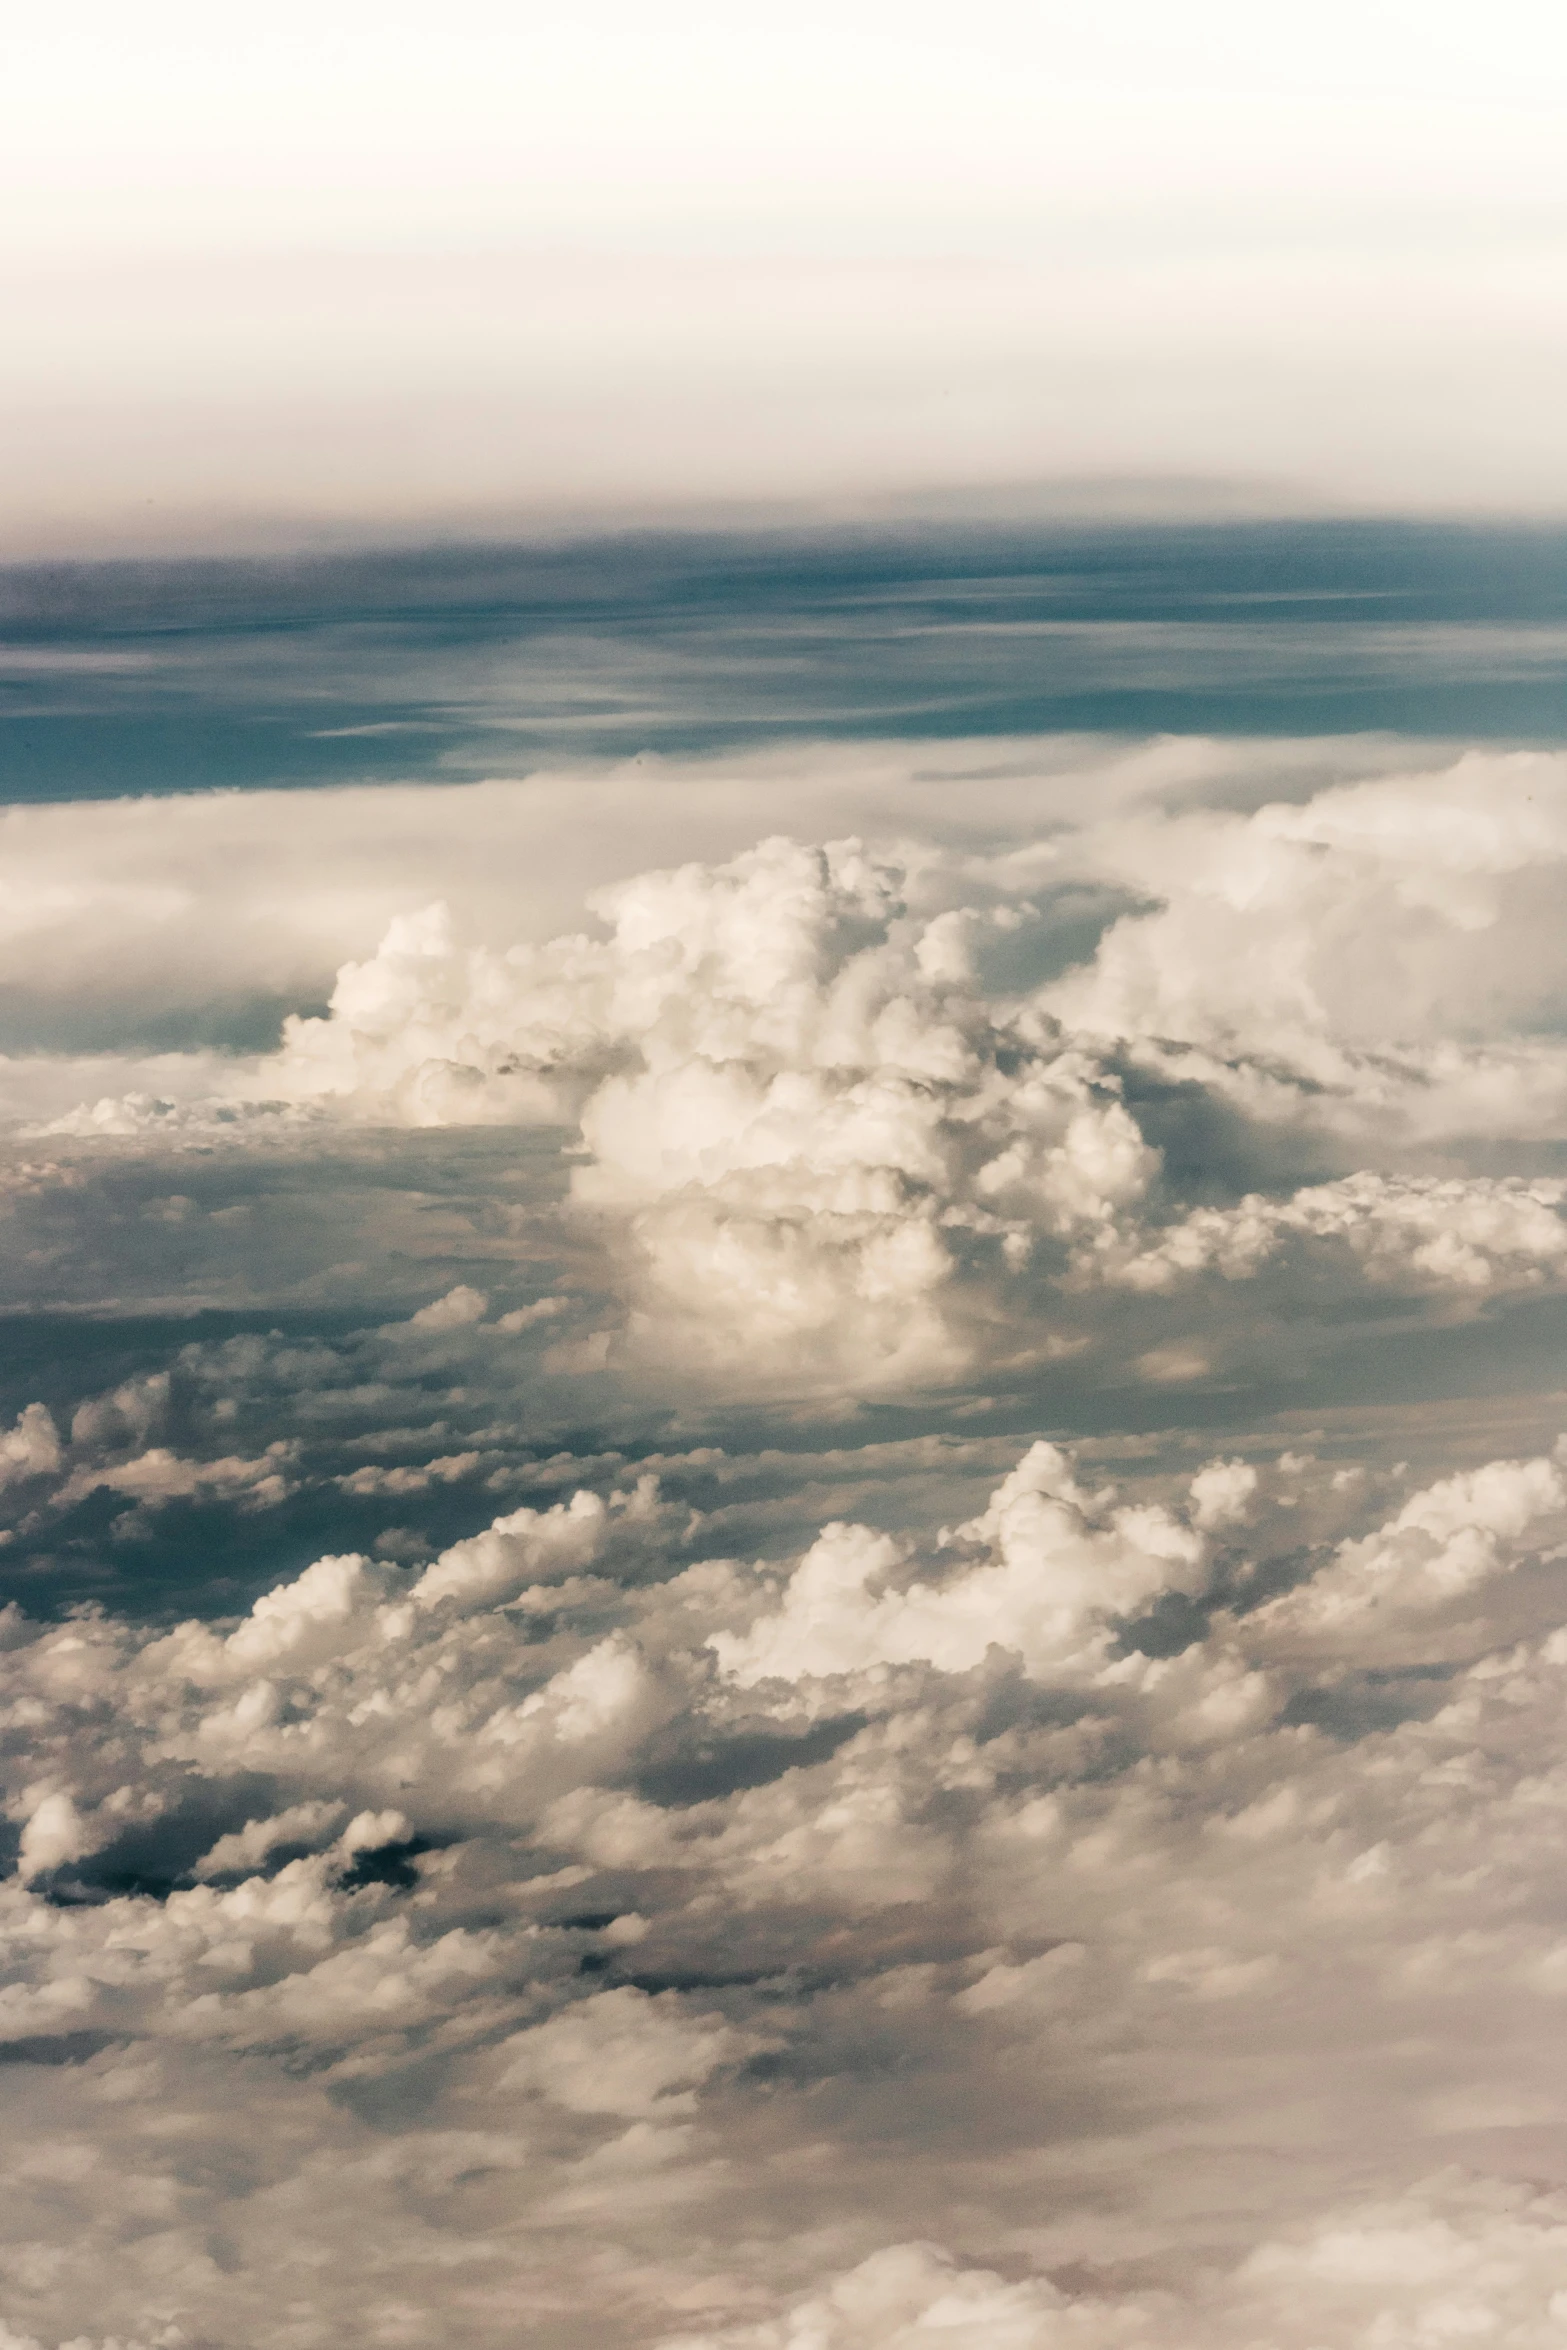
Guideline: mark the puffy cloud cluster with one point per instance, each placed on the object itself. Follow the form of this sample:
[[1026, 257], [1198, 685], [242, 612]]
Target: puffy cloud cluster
[[1425, 1584], [1377, 961], [622, 1878], [1053, 1562], [1477, 1233]]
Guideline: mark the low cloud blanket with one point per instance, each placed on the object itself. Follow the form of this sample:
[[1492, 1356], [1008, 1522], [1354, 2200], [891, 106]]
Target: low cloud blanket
[[818, 1606]]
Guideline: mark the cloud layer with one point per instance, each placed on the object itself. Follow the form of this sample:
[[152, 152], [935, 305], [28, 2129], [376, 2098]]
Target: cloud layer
[[577, 1912], [824, 1615]]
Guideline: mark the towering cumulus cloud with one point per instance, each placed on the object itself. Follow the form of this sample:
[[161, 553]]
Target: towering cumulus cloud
[[833, 1143], [832, 1618], [793, 1096]]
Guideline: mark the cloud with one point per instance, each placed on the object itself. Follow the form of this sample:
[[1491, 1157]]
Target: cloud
[[860, 1871], [31, 1448], [813, 1129], [621, 2053], [152, 1478], [243, 1851], [1474, 1233], [1061, 1564], [700, 1809], [1373, 960], [1457, 2257], [706, 1855], [1431, 1564], [828, 1145]]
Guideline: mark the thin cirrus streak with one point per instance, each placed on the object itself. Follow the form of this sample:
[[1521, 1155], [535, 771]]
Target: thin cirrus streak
[[472, 660], [811, 1596]]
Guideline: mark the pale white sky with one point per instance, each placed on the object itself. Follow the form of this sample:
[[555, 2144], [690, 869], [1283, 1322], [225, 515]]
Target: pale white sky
[[377, 267]]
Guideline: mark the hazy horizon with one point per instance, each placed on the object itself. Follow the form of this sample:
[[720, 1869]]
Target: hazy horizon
[[346, 272]]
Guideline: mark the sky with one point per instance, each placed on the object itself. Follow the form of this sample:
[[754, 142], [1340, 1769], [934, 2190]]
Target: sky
[[783, 1179], [304, 273]]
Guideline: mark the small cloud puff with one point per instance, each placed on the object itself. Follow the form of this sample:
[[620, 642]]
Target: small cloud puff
[[31, 1448], [1054, 1566]]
